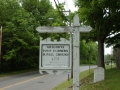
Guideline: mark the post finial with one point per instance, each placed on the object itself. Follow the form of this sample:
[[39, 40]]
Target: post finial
[[76, 20]]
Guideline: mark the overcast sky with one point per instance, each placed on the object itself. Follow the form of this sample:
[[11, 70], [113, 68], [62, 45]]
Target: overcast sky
[[69, 4]]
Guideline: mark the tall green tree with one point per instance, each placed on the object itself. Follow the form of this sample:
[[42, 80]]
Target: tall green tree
[[7, 8], [99, 15], [20, 41], [19, 37]]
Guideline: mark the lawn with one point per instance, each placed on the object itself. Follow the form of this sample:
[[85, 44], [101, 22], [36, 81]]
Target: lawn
[[111, 82]]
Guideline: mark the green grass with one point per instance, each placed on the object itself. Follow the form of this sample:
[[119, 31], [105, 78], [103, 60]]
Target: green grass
[[67, 85], [111, 82]]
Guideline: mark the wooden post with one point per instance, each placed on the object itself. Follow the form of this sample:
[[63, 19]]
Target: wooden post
[[76, 48], [72, 55], [76, 61]]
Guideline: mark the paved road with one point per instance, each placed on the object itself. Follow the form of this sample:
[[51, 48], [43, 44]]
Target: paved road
[[34, 81]]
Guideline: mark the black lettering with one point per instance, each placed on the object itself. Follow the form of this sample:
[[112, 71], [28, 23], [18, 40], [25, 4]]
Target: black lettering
[[48, 46], [60, 50], [65, 50], [62, 46], [48, 54], [62, 54], [53, 46], [51, 54], [55, 58], [46, 50], [43, 54], [54, 50]]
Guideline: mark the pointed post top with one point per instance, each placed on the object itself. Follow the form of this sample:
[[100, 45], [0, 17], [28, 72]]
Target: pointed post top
[[76, 20]]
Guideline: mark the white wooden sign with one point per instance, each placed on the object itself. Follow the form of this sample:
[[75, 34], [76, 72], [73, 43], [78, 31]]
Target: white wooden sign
[[55, 57], [76, 29]]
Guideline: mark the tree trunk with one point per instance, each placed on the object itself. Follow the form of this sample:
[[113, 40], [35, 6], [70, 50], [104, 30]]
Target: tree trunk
[[101, 53], [117, 58]]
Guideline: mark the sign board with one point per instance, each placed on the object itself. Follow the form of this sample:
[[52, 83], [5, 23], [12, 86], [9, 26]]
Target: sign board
[[55, 57], [76, 29]]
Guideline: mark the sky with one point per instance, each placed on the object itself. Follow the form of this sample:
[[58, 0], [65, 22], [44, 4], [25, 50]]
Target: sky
[[70, 6], [108, 50]]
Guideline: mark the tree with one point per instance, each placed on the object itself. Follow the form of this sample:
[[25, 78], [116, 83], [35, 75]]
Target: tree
[[19, 37], [20, 41], [117, 57], [46, 15], [20, 48], [99, 15], [7, 8], [88, 52]]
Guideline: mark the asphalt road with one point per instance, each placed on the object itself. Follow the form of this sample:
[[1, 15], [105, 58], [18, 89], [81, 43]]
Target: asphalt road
[[34, 80]]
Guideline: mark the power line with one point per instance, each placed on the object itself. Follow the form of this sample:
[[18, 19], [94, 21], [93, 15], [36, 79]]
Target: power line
[[61, 12]]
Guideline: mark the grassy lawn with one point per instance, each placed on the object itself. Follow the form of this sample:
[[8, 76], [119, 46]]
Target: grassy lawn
[[111, 82], [67, 85]]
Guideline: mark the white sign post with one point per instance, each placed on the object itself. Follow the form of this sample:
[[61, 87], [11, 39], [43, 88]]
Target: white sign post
[[76, 29], [76, 54]]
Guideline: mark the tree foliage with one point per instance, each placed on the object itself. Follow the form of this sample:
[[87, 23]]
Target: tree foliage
[[88, 52], [19, 39], [20, 44], [102, 16]]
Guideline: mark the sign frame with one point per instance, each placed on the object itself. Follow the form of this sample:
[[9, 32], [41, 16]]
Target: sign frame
[[55, 69]]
